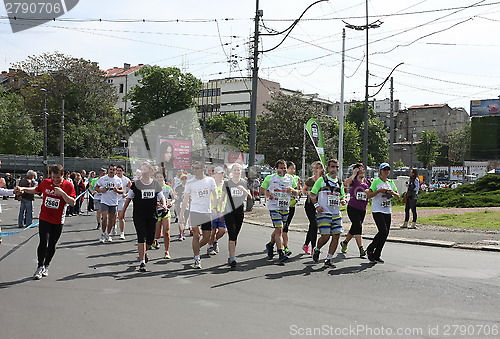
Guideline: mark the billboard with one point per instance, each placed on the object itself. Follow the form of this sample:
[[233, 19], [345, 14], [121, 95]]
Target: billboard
[[484, 107], [175, 154]]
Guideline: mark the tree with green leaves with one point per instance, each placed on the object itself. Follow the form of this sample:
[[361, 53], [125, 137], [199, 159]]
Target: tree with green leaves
[[280, 132], [18, 136], [161, 91], [234, 127], [428, 148], [459, 144], [92, 124], [378, 145]]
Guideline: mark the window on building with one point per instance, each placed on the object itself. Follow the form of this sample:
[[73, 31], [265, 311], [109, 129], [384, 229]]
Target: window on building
[[121, 88]]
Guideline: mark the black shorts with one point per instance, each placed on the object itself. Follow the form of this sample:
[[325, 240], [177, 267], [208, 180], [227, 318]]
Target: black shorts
[[204, 220]]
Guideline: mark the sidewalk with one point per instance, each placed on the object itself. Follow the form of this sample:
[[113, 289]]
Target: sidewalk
[[429, 235]]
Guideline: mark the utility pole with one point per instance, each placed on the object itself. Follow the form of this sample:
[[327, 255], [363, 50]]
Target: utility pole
[[365, 132], [253, 103], [341, 132], [391, 128], [366, 27], [44, 129], [62, 135]]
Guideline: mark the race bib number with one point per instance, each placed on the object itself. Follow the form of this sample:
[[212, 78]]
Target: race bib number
[[110, 186], [333, 201], [202, 193], [148, 193], [386, 203], [283, 202], [361, 196], [236, 192], [52, 203]]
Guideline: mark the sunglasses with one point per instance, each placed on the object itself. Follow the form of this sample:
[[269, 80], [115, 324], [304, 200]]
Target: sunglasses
[[335, 166], [386, 169]]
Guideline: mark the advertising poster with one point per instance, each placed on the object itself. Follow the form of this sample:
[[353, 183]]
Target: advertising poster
[[175, 154], [485, 107]]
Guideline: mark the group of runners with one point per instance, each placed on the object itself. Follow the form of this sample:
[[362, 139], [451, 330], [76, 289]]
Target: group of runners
[[215, 205]]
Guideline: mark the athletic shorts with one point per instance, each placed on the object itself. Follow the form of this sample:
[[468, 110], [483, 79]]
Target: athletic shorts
[[110, 209], [97, 205], [329, 224], [204, 220], [278, 217], [121, 202], [218, 222], [163, 215]]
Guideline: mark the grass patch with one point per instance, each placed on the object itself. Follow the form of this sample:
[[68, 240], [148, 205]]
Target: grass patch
[[485, 220]]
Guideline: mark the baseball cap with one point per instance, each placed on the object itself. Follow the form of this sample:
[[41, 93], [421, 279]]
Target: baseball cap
[[384, 165], [218, 169]]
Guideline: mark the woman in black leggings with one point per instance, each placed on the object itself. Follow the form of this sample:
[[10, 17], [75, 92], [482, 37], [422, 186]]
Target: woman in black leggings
[[235, 189], [146, 193], [312, 233]]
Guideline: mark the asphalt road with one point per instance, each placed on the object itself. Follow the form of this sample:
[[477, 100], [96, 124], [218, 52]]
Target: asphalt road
[[95, 291]]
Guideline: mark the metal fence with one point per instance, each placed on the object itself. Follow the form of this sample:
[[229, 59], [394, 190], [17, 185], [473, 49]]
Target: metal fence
[[20, 164]]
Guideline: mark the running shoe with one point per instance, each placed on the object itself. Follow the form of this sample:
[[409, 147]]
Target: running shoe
[[122, 236], [316, 255], [103, 238], [155, 245], [344, 246], [283, 258], [362, 252], [211, 251], [190, 233], [182, 237], [109, 239], [287, 251], [142, 267], [329, 263], [167, 255], [45, 272], [371, 257], [38, 273], [197, 264], [307, 249], [233, 263], [216, 247], [270, 250], [379, 260]]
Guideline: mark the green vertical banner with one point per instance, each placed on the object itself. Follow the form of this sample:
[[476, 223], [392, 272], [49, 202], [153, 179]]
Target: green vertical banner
[[314, 131]]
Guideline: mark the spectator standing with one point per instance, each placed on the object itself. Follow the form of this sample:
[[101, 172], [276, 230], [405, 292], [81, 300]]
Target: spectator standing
[[412, 197], [26, 209]]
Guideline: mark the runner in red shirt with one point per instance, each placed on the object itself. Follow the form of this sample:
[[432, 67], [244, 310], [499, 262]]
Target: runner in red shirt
[[57, 194]]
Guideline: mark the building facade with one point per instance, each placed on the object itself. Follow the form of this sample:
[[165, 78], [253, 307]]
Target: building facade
[[123, 79]]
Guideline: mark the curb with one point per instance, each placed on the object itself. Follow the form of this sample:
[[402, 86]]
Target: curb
[[422, 242]]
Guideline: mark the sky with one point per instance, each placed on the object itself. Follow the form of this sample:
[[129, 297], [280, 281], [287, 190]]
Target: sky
[[448, 47]]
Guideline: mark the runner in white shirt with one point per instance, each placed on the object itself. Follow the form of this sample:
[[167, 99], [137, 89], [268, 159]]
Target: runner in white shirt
[[328, 195], [278, 189], [126, 183], [111, 188], [203, 193], [381, 191]]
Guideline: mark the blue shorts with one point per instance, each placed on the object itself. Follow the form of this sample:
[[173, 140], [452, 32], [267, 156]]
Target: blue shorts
[[329, 224], [218, 222], [278, 217]]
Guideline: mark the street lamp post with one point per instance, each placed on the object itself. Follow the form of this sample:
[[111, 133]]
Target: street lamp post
[[366, 27], [44, 127]]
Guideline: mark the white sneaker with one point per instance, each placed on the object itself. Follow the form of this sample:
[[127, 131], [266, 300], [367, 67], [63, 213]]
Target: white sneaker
[[216, 247], [197, 264], [38, 273], [45, 272], [103, 238], [122, 236], [109, 239], [211, 251]]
